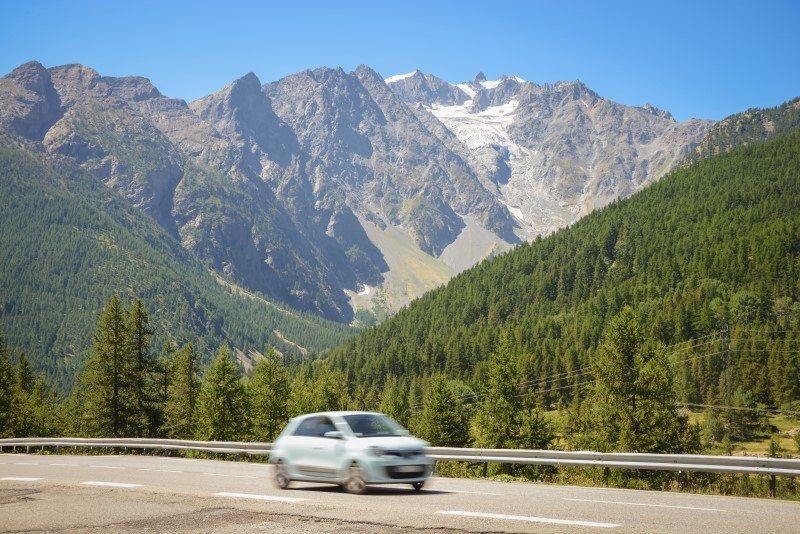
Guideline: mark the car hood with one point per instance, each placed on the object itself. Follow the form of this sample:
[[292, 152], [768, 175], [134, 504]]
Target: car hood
[[392, 442]]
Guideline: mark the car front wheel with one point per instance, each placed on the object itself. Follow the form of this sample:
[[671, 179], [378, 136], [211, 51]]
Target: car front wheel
[[282, 479], [417, 485], [355, 480]]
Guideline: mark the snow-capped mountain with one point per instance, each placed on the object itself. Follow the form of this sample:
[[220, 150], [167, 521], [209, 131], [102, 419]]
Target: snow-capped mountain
[[332, 191], [552, 153]]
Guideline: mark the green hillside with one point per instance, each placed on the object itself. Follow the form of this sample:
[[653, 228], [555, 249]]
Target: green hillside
[[709, 249], [69, 242]]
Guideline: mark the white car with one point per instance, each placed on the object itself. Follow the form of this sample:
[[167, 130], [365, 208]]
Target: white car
[[352, 449]]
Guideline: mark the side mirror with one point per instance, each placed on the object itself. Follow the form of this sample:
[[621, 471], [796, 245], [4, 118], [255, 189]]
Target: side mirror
[[334, 434]]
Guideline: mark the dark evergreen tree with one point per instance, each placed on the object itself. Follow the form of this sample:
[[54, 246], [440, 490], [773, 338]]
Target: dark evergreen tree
[[143, 393], [105, 385], [443, 421], [7, 393], [182, 393], [632, 406], [269, 394], [222, 407]]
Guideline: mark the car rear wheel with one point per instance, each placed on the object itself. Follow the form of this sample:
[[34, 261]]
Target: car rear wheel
[[355, 480], [417, 485], [282, 479]]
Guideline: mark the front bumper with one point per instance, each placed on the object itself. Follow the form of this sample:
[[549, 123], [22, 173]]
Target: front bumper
[[391, 470]]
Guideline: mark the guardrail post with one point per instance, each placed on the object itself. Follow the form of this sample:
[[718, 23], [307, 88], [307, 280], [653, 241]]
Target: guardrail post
[[485, 469], [28, 449], [606, 475], [773, 486]]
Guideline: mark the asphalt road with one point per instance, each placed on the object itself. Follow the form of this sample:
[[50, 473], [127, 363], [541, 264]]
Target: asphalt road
[[136, 493]]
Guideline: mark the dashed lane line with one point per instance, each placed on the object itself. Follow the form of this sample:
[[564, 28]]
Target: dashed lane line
[[20, 479], [110, 484], [106, 466], [228, 476], [442, 490], [702, 509], [529, 519], [26, 463], [64, 464], [160, 470], [258, 497]]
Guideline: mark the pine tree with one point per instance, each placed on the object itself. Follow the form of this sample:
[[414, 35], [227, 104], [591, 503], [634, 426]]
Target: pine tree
[[222, 410], [268, 390], [443, 421], [25, 377], [632, 407], [145, 411], [496, 422], [106, 382], [395, 402], [162, 368], [182, 393], [7, 393]]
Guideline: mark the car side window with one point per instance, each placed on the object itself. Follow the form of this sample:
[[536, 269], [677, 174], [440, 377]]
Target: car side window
[[306, 427], [325, 425], [314, 427]]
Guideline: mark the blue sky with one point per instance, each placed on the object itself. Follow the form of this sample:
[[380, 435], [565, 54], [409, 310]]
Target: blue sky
[[695, 59]]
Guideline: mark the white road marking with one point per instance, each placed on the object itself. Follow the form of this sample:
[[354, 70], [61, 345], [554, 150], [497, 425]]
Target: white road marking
[[65, 464], [26, 463], [529, 519], [648, 504], [110, 484], [442, 490], [21, 479], [160, 470], [258, 497], [230, 476], [107, 466]]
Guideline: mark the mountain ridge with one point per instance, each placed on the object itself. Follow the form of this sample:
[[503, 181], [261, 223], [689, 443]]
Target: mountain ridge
[[267, 183]]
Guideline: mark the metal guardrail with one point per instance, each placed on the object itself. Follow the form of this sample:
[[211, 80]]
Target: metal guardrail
[[643, 461], [222, 447]]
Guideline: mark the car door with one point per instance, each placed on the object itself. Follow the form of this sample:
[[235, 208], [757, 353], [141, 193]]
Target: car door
[[312, 449], [327, 452]]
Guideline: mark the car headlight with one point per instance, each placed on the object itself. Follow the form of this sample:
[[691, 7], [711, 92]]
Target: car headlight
[[377, 451]]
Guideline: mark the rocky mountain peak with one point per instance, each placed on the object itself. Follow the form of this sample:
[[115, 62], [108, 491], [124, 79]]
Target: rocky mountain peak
[[658, 112], [426, 89], [242, 111], [31, 76], [29, 104], [480, 77]]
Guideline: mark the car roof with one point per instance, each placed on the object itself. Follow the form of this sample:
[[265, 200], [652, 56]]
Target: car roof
[[340, 413]]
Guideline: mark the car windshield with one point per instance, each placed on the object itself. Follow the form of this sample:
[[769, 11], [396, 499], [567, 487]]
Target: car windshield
[[370, 425]]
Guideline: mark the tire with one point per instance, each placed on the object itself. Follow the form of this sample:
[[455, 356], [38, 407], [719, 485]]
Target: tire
[[417, 485], [355, 483], [282, 479]]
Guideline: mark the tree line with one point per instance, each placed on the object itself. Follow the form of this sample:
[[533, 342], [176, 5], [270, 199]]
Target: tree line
[[128, 389]]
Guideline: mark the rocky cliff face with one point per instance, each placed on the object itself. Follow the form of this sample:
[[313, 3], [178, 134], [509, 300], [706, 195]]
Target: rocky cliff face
[[191, 178], [554, 152], [328, 188]]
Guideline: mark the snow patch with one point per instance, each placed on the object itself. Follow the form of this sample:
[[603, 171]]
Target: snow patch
[[398, 77], [518, 79], [365, 291], [486, 128], [467, 88], [490, 84]]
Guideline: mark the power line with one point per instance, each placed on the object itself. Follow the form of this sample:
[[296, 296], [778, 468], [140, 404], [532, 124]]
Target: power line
[[742, 408], [475, 397]]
